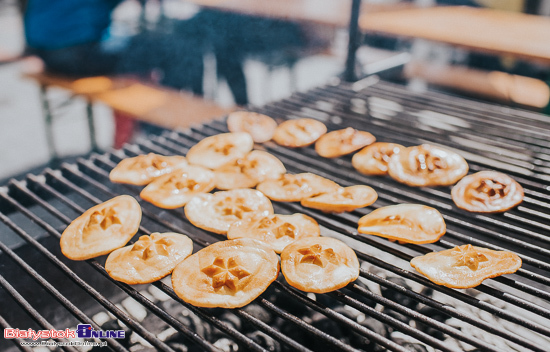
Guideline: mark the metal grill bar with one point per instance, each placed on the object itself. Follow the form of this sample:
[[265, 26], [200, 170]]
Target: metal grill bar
[[180, 151], [481, 112], [441, 307], [400, 121], [199, 241], [4, 324], [476, 130], [474, 342], [345, 178], [99, 298], [315, 214], [401, 133], [354, 178], [474, 112], [33, 312], [71, 170], [264, 302], [303, 161], [278, 335], [302, 324], [58, 296], [163, 315], [389, 318], [408, 312]]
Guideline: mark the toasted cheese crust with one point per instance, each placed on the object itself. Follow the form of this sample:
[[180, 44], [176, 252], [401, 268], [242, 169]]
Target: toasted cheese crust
[[143, 169], [319, 264], [276, 230], [215, 151], [175, 189], [149, 259], [216, 212], [228, 274], [260, 127], [342, 142], [247, 172], [427, 165], [343, 199], [410, 223], [465, 266], [299, 132], [374, 159], [487, 192], [101, 229], [294, 188]]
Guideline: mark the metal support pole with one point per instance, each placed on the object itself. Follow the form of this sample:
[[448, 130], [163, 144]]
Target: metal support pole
[[48, 117], [91, 126], [532, 7], [353, 44]]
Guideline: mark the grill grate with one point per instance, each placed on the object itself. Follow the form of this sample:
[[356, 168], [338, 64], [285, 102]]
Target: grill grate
[[389, 308]]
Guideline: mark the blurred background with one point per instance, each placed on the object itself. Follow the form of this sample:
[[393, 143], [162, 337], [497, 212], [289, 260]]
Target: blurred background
[[226, 54]]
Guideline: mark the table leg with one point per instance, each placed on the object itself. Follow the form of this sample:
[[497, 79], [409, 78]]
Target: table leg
[[91, 126], [48, 117], [350, 75]]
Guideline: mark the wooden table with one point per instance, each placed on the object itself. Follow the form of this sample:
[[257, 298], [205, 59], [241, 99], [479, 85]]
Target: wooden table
[[161, 106], [484, 30], [150, 103], [334, 13]]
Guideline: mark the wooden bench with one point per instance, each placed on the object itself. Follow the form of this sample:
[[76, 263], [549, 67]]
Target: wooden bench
[[503, 87], [145, 102]]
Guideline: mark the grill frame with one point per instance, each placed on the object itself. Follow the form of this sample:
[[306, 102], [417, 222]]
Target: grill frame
[[332, 104]]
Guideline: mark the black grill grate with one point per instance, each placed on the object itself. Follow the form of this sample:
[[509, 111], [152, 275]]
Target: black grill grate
[[412, 311]]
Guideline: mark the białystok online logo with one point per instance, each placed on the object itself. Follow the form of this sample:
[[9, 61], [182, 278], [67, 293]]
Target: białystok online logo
[[86, 331], [82, 331]]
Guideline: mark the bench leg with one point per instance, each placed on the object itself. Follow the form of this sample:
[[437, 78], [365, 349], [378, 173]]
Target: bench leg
[[91, 126], [48, 117], [292, 75]]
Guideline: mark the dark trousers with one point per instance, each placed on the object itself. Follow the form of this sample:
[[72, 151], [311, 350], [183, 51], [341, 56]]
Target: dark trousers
[[177, 54], [233, 37]]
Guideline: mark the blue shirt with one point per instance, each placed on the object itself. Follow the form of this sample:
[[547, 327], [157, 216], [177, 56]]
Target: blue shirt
[[55, 24]]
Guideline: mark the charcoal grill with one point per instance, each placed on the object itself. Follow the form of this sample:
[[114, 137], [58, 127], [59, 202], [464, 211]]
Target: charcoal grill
[[389, 308]]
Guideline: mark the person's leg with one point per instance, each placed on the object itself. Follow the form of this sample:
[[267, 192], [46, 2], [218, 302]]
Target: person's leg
[[222, 32], [233, 36], [178, 57], [229, 65], [184, 65]]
